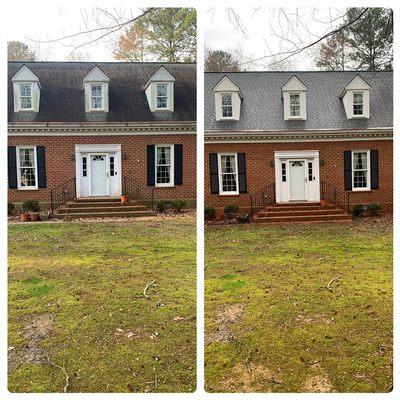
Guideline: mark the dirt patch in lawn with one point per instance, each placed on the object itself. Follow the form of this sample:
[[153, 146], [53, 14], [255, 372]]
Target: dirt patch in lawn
[[250, 379], [225, 317], [318, 384], [35, 331]]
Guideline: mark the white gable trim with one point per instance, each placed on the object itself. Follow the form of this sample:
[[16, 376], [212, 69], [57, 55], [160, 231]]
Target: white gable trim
[[294, 84], [24, 74], [225, 84], [161, 75], [357, 83], [96, 75]]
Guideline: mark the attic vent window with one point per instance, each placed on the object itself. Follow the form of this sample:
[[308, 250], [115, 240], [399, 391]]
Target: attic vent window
[[25, 90], [97, 97], [357, 103], [162, 96], [227, 109]]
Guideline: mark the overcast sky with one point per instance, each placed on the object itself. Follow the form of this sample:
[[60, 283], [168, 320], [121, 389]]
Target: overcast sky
[[266, 31], [59, 21]]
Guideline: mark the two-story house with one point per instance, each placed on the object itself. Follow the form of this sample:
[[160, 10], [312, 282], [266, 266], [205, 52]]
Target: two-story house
[[85, 130], [279, 144]]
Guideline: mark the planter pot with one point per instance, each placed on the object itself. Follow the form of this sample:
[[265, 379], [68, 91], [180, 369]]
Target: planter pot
[[124, 198], [35, 217], [324, 202], [25, 217]]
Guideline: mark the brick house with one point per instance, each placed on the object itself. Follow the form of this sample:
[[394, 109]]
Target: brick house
[[294, 139], [96, 130]]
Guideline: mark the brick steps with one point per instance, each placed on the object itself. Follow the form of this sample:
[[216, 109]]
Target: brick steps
[[103, 207], [301, 212]]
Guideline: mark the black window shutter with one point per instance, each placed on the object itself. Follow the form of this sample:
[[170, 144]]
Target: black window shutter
[[374, 169], [12, 167], [151, 178], [41, 166], [178, 158], [241, 157], [214, 173], [348, 179]]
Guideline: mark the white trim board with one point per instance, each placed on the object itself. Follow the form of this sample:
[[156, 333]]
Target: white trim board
[[100, 133]]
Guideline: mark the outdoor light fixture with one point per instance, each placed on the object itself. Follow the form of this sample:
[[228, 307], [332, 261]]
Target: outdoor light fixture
[[124, 156], [321, 162], [271, 163], [72, 157]]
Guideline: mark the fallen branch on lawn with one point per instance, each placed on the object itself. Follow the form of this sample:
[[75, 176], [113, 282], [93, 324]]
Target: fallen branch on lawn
[[62, 367], [247, 361], [329, 285], [152, 283]]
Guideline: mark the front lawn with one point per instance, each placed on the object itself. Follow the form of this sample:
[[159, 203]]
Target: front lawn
[[273, 325], [77, 308]]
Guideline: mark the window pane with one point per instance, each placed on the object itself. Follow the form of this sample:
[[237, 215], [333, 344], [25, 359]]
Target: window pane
[[227, 111], [161, 102], [26, 158], [357, 98], [26, 102], [294, 111], [310, 171], [357, 109], [226, 100], [360, 179], [228, 164], [96, 90], [97, 102], [27, 167], [163, 174], [161, 90], [163, 155], [294, 99], [26, 90], [229, 183], [283, 172], [360, 160], [84, 166]]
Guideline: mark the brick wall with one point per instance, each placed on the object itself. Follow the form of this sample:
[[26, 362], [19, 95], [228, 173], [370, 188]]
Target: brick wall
[[60, 167], [260, 173]]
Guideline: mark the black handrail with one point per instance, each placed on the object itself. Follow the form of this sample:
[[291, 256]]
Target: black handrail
[[60, 194], [262, 198], [136, 191], [335, 195]]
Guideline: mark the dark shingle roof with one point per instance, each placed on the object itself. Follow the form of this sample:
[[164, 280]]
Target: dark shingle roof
[[262, 107], [62, 96]]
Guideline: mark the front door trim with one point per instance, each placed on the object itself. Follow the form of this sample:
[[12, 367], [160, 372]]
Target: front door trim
[[83, 184], [312, 189], [289, 177]]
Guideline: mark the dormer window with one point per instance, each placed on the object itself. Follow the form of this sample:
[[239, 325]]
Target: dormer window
[[358, 103], [355, 98], [26, 88], [160, 90], [228, 100], [227, 107], [96, 96], [25, 96], [95, 85], [294, 105], [294, 94], [162, 96]]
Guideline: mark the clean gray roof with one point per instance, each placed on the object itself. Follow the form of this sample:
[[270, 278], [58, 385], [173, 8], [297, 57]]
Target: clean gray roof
[[262, 106], [62, 96]]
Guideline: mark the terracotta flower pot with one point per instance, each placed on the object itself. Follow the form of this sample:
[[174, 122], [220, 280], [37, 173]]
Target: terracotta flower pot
[[124, 198], [25, 217], [35, 217]]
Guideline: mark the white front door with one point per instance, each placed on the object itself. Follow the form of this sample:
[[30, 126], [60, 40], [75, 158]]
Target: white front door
[[98, 175], [297, 176]]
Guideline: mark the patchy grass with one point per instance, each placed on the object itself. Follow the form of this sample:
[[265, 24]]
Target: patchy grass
[[293, 334], [79, 287]]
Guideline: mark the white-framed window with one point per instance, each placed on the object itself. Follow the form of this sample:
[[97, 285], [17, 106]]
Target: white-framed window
[[96, 96], [162, 96], [227, 106], [27, 167], [164, 164], [25, 96], [358, 103], [294, 104], [361, 170], [228, 173]]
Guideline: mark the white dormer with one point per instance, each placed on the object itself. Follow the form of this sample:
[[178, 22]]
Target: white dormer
[[160, 91], [294, 94], [355, 98], [95, 86], [228, 100], [26, 87]]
